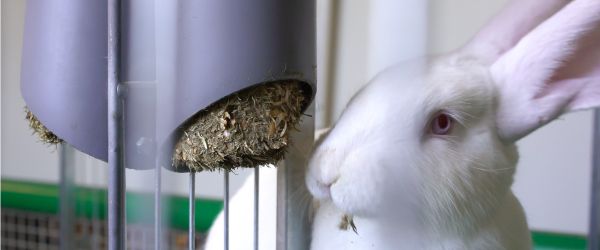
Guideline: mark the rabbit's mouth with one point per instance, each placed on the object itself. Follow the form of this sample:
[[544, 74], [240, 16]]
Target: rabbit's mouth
[[321, 191]]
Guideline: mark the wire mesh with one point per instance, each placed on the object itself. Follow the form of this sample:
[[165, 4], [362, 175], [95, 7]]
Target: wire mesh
[[29, 230]]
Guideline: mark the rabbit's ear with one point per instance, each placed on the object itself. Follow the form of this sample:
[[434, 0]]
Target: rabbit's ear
[[553, 69], [510, 25]]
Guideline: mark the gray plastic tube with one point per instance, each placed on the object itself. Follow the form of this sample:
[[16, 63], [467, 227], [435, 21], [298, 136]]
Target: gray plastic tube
[[63, 73], [217, 48]]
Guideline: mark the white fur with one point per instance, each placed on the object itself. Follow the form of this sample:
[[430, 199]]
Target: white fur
[[506, 29], [406, 188], [508, 226]]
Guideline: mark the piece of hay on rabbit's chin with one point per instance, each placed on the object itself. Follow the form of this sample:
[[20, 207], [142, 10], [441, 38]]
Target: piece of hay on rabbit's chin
[[43, 133], [246, 129], [347, 221]]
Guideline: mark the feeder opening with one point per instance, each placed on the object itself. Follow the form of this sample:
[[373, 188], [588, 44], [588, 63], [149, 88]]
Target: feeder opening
[[246, 129]]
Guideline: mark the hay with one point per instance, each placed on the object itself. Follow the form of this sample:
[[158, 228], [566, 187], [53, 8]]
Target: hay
[[44, 134], [347, 220], [247, 129]]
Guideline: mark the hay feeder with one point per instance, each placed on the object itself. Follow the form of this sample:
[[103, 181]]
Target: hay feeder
[[216, 85]]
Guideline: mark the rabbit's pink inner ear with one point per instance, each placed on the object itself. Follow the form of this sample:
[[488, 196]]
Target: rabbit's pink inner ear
[[552, 70], [510, 25], [588, 97], [585, 61], [584, 67]]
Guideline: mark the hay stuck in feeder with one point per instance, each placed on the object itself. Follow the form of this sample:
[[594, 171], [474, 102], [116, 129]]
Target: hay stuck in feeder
[[45, 135], [246, 129]]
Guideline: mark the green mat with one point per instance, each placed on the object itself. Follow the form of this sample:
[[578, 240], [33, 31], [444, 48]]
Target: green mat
[[91, 203]]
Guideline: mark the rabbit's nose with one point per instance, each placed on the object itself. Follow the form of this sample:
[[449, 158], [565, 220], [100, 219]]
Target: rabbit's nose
[[320, 189], [325, 188], [323, 172]]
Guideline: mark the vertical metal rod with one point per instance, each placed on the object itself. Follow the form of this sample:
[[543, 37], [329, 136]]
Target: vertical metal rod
[[192, 212], [333, 33], [67, 197], [256, 193], [144, 238], [226, 211], [293, 227], [116, 168], [594, 227], [282, 208], [96, 228], [157, 206]]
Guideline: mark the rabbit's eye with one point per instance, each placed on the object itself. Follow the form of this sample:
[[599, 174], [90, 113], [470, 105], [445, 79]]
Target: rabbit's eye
[[441, 124]]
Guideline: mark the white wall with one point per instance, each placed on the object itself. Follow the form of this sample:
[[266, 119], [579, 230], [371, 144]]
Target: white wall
[[18, 146]]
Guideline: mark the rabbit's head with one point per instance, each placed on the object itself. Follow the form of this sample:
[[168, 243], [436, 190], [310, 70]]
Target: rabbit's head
[[432, 141]]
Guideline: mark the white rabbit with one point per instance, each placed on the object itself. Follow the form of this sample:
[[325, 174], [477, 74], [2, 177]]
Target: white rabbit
[[424, 156]]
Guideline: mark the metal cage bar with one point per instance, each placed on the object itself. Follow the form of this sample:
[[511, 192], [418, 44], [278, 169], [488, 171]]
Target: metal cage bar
[[226, 210], [293, 228], [281, 237], [67, 196], [116, 168], [192, 212], [256, 206], [594, 227], [157, 206]]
